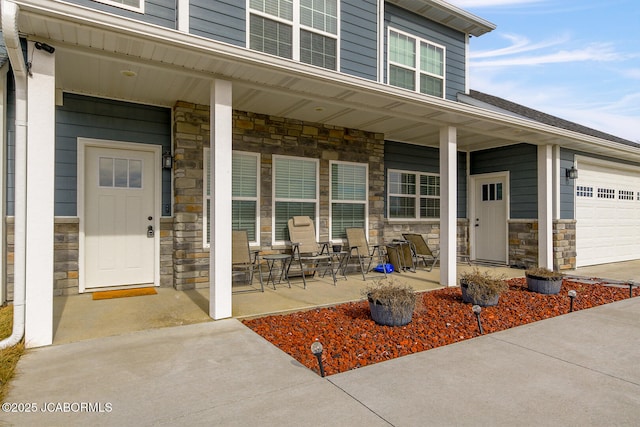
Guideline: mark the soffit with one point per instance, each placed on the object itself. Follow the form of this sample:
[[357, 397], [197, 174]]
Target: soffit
[[92, 50], [448, 15]]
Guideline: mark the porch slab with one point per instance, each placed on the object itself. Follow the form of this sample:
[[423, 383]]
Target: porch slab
[[78, 317]]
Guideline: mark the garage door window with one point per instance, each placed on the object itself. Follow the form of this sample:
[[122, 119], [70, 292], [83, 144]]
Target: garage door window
[[625, 195], [582, 191], [606, 193]]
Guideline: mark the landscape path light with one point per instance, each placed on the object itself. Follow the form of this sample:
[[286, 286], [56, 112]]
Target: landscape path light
[[477, 310], [572, 295], [316, 349]]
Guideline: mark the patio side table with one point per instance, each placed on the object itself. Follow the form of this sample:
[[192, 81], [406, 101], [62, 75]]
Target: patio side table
[[340, 259], [281, 272]]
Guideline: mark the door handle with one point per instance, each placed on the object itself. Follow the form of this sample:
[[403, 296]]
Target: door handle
[[150, 231]]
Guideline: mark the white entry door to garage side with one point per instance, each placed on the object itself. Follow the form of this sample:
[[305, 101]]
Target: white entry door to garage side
[[119, 217], [607, 213], [490, 213]]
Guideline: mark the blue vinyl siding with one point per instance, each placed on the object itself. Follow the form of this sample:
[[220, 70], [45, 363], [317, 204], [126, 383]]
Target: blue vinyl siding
[[83, 116], [521, 161], [222, 20], [425, 159], [358, 38], [158, 12], [567, 199], [453, 41]]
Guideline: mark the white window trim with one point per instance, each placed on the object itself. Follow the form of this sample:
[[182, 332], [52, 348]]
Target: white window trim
[[274, 199], [416, 69], [139, 9], [416, 196], [296, 27], [206, 152], [355, 202]]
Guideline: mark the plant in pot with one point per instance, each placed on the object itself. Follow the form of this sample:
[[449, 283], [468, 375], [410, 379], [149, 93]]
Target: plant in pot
[[481, 287], [543, 280], [391, 302]]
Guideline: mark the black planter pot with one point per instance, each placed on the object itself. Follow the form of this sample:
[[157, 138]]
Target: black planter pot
[[544, 285], [383, 314], [467, 298]]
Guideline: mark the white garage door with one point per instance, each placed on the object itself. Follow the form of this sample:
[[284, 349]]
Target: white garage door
[[607, 213]]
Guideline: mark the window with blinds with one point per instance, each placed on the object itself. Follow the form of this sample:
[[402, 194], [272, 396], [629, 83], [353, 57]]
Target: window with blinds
[[349, 197], [295, 190], [245, 193]]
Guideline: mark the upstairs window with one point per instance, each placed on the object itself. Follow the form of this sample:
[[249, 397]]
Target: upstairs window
[[302, 30], [134, 5], [416, 64]]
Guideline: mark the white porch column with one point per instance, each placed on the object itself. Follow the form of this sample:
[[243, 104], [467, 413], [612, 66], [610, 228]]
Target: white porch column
[[448, 199], [556, 182], [545, 206], [220, 184], [40, 192]]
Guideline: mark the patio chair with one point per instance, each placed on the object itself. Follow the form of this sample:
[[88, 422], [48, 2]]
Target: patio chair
[[357, 242], [242, 258], [421, 250], [307, 253]]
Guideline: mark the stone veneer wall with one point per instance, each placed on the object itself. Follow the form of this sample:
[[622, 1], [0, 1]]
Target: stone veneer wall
[[523, 244], [9, 256], [66, 251], [267, 135], [431, 232], [564, 244]]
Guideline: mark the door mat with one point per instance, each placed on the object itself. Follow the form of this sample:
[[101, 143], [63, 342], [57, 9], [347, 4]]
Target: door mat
[[123, 293]]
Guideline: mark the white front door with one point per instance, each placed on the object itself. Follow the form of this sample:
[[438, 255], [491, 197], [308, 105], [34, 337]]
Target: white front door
[[489, 221], [119, 217]]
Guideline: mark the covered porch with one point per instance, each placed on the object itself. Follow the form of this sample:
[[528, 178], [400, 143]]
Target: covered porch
[[79, 317]]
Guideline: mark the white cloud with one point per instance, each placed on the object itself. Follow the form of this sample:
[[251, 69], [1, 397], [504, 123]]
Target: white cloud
[[632, 73], [519, 44], [593, 52]]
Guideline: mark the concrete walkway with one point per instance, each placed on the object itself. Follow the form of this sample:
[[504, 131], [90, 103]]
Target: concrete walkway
[[576, 369]]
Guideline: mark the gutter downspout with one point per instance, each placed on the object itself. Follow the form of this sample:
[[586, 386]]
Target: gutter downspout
[[9, 13]]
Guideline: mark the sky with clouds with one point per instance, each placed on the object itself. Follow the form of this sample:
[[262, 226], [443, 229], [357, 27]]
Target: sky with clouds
[[575, 59]]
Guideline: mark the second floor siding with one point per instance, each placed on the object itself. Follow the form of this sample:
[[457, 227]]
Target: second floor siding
[[226, 21], [453, 41], [359, 35], [221, 20], [157, 12]]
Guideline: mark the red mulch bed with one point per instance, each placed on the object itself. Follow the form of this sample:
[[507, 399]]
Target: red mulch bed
[[351, 339]]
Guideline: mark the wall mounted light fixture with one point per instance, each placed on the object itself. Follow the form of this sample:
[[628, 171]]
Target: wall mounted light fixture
[[45, 47], [167, 160], [572, 173]]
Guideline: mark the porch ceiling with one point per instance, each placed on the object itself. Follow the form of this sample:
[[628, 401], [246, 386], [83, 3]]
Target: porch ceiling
[[95, 50]]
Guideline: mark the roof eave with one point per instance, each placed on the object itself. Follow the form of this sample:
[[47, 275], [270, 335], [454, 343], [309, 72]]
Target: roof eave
[[467, 22]]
